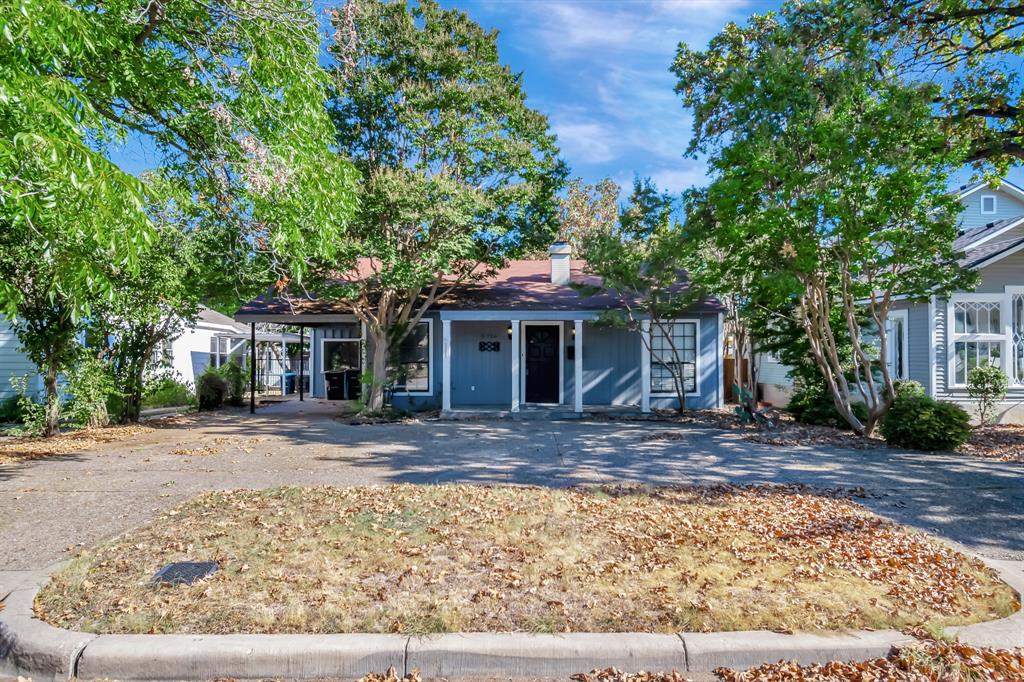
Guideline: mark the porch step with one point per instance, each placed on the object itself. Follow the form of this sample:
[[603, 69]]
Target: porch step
[[543, 414]]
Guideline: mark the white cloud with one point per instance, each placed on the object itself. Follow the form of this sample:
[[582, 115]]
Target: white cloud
[[587, 140]]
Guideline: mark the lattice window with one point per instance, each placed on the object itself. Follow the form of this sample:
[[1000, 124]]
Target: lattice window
[[977, 317], [1017, 340]]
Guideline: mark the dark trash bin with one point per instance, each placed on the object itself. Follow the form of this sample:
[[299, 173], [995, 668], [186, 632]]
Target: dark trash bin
[[290, 382], [343, 384]]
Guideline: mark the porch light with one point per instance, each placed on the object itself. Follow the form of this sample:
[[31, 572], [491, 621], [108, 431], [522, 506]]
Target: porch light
[[509, 330], [574, 331]]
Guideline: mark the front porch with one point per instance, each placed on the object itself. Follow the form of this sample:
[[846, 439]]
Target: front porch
[[539, 364]]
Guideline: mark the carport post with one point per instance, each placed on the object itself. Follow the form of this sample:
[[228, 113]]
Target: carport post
[[252, 368], [302, 356]]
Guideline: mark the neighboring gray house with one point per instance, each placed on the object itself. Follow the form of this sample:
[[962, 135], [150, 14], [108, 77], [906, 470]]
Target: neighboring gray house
[[523, 339], [937, 343]]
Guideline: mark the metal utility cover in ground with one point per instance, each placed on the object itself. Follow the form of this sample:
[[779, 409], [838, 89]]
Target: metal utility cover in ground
[[185, 572]]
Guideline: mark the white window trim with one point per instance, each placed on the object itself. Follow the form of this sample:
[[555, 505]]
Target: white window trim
[[952, 337], [995, 204], [561, 358], [1011, 291], [430, 361], [696, 361], [904, 316]]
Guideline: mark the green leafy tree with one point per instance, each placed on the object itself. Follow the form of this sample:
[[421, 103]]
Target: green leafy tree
[[458, 173], [151, 305], [829, 184], [232, 96], [971, 49], [585, 210], [987, 384], [641, 264]]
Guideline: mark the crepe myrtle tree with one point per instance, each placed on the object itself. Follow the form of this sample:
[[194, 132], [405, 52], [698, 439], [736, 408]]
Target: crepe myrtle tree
[[458, 173], [640, 264], [829, 182]]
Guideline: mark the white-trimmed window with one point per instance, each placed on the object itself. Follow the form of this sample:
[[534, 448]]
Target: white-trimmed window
[[988, 204], [415, 359], [1017, 336], [897, 345], [978, 335], [674, 349]]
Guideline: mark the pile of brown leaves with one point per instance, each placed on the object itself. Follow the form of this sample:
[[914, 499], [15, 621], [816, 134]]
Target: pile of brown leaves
[[1004, 442], [20, 449], [391, 675], [783, 431], [930, 661], [616, 675]]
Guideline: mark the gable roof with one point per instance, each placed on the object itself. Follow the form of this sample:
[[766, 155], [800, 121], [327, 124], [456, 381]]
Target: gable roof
[[520, 285], [975, 237], [971, 188], [991, 251]]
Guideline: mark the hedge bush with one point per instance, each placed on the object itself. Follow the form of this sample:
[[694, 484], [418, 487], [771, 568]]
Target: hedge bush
[[921, 423], [812, 404], [211, 389], [167, 391]]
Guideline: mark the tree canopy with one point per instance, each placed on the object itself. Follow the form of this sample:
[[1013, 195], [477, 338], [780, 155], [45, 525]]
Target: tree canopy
[[458, 171], [828, 194]]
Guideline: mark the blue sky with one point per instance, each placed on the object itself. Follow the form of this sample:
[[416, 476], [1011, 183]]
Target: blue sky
[[599, 70]]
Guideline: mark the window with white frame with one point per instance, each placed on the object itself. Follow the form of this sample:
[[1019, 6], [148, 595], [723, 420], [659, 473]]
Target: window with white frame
[[1017, 338], [897, 345], [163, 355], [673, 352], [988, 204], [414, 360], [977, 338]]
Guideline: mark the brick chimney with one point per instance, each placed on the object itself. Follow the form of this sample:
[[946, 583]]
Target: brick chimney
[[560, 253]]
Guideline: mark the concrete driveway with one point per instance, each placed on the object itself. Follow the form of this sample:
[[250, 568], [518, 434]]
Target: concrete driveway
[[51, 507]]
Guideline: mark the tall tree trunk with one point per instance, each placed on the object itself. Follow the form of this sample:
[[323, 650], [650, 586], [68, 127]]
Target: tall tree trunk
[[51, 426], [379, 370]]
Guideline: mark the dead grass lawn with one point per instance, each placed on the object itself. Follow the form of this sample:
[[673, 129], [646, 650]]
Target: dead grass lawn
[[419, 559]]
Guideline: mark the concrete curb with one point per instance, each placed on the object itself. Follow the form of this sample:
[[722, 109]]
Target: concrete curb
[[1005, 633], [511, 654], [30, 647]]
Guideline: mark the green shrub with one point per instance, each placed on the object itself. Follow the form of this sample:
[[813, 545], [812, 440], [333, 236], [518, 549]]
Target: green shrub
[[920, 423], [10, 410], [33, 412], [988, 385], [907, 388], [90, 384], [812, 404], [167, 391], [211, 389], [235, 378]]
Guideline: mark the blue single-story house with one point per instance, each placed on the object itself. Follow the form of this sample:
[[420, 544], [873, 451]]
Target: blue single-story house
[[523, 339]]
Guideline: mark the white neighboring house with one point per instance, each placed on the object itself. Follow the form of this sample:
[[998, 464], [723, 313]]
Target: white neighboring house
[[213, 340], [938, 342]]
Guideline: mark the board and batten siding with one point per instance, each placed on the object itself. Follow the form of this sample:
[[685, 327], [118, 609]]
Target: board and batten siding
[[14, 363], [708, 381]]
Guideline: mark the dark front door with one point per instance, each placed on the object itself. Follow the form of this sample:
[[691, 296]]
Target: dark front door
[[542, 380]]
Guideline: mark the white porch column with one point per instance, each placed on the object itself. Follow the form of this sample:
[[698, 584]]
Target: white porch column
[[284, 356], [578, 363], [446, 365], [515, 364], [721, 359], [645, 366]]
